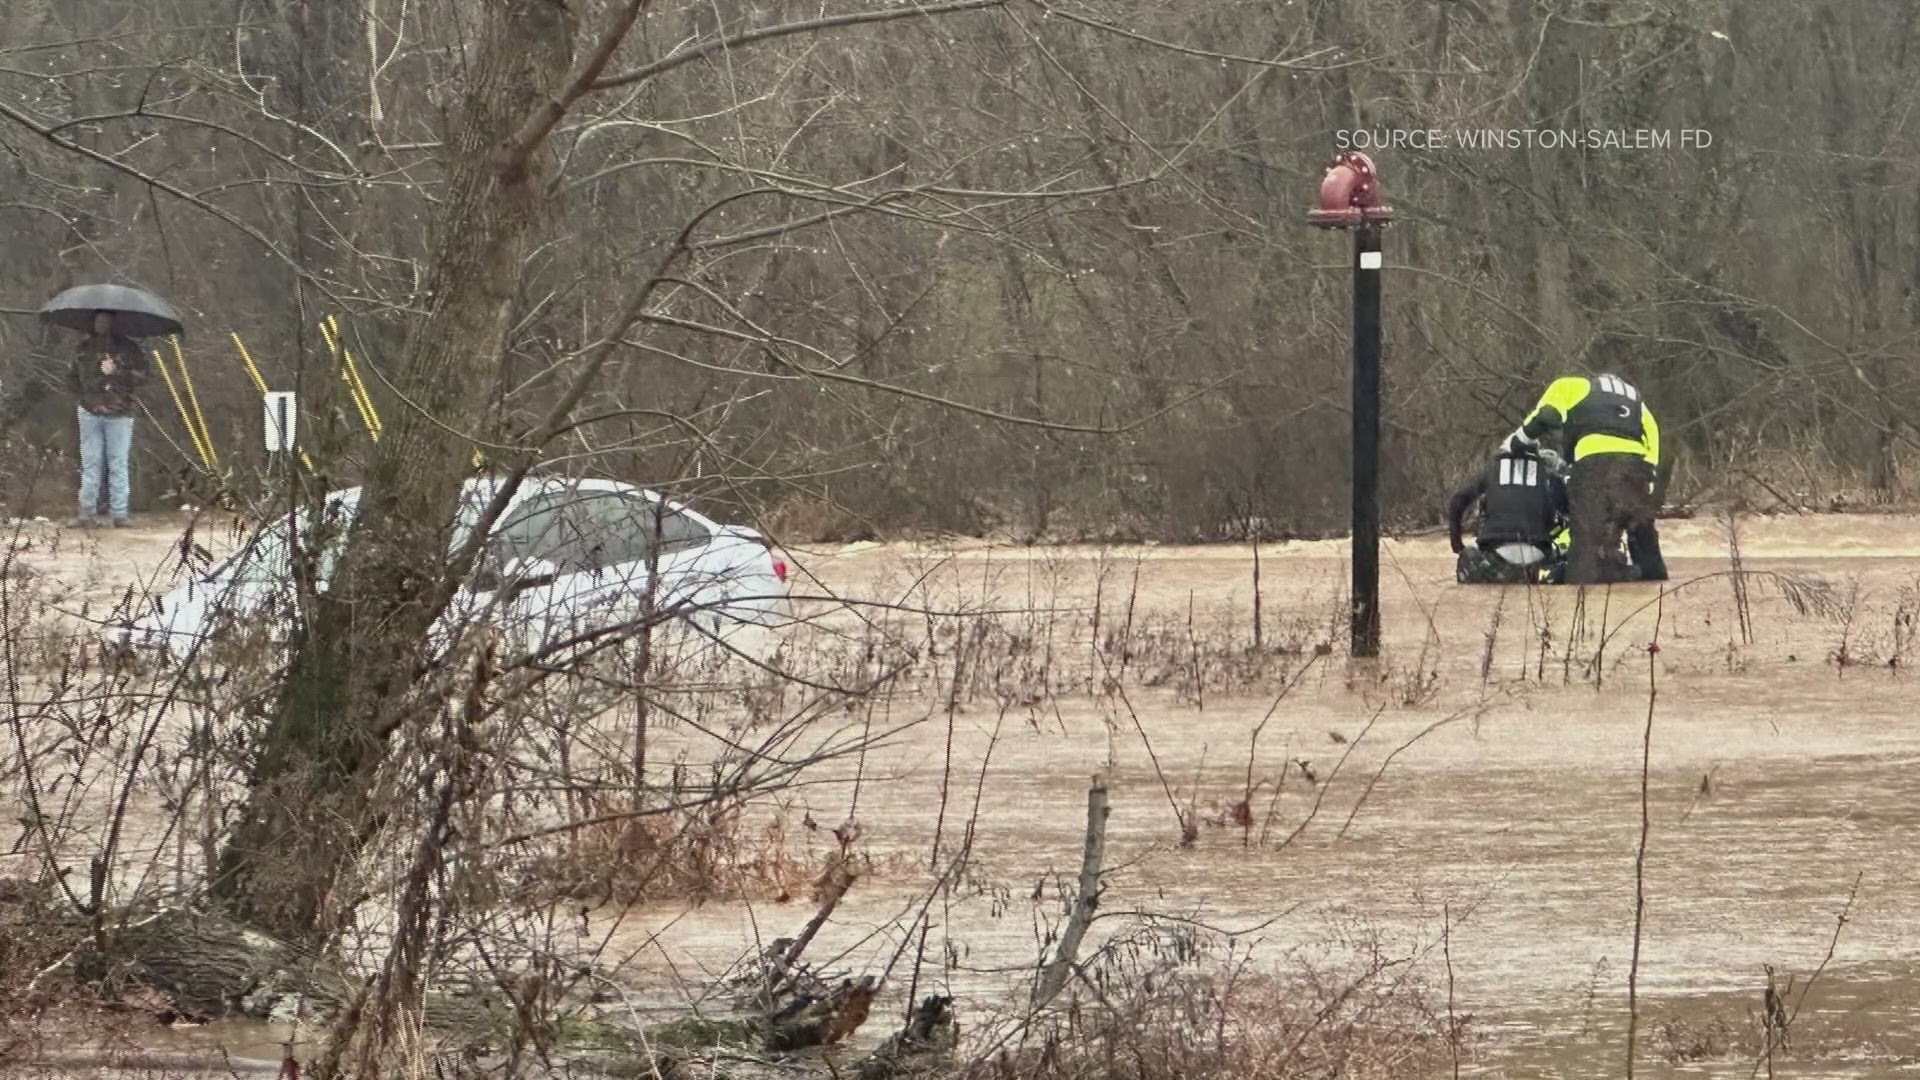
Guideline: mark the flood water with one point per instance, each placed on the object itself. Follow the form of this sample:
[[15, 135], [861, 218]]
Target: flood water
[[1503, 831]]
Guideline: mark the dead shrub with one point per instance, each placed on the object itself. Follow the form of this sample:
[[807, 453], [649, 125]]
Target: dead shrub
[[713, 852], [1715, 1038], [40, 1009], [1188, 1026]]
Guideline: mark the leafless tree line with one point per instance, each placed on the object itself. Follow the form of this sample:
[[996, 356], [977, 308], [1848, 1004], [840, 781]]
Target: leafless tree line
[[895, 214]]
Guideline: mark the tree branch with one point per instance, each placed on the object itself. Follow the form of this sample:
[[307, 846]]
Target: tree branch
[[920, 395], [515, 154], [9, 112], [765, 33], [1299, 64], [595, 357], [141, 112]]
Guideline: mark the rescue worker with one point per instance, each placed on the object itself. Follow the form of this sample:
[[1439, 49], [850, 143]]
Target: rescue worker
[[1522, 500], [1606, 430]]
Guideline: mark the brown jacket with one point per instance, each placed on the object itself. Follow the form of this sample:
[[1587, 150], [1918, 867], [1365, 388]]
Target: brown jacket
[[102, 394]]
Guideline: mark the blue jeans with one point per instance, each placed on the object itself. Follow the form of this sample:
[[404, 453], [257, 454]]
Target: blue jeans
[[106, 446]]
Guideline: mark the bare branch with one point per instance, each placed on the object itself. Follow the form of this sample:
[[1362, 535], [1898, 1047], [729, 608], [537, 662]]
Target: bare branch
[[254, 234], [534, 131], [923, 396], [765, 33], [1296, 64], [143, 113]]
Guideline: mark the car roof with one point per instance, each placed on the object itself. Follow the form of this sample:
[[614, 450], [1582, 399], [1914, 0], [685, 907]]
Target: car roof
[[487, 486], [477, 490]]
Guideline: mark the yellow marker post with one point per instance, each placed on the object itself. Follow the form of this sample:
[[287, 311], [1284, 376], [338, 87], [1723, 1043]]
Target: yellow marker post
[[186, 421], [349, 374], [246, 361], [360, 391], [360, 387], [193, 399]]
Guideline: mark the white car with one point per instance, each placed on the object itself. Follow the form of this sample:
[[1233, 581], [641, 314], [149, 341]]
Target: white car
[[567, 558]]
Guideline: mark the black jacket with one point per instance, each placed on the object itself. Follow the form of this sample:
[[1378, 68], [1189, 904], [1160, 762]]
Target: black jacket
[[1519, 500], [102, 394]]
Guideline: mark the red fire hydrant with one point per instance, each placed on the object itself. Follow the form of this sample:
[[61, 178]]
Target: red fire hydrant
[[1350, 194]]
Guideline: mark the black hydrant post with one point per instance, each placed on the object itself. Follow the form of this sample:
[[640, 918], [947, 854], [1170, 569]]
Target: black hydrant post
[[1365, 631], [1350, 199]]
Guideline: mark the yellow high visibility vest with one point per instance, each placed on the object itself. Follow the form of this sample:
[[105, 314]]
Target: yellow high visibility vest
[[1565, 394]]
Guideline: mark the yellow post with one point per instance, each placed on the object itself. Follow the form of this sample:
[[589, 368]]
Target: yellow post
[[330, 329], [360, 390], [366, 399], [246, 361], [193, 399], [185, 420]]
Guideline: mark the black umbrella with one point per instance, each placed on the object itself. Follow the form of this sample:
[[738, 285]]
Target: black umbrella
[[136, 312]]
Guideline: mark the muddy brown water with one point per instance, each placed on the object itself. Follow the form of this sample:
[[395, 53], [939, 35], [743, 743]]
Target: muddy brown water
[[1510, 829]]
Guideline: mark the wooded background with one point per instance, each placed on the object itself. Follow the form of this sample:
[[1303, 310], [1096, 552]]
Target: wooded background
[[247, 159]]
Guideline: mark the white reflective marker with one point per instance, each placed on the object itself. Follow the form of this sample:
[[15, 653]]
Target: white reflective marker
[[1369, 260], [280, 419]]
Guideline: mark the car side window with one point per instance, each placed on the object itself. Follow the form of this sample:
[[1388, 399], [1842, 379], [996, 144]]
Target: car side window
[[578, 531], [674, 530], [525, 532], [601, 530], [623, 529], [678, 532], [575, 531]]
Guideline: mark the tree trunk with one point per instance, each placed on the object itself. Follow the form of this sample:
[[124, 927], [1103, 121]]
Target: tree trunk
[[211, 968], [1552, 99], [315, 50], [208, 967], [360, 650]]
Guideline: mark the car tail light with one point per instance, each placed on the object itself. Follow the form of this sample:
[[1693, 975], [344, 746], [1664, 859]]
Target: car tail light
[[779, 564]]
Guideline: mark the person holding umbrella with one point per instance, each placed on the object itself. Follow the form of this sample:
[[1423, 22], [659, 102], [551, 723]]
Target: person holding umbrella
[[109, 370]]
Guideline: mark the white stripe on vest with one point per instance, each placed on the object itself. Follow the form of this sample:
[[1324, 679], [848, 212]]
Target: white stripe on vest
[[1614, 385]]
